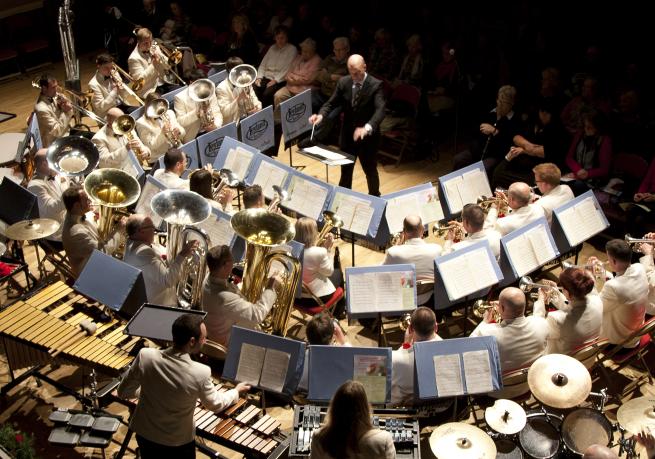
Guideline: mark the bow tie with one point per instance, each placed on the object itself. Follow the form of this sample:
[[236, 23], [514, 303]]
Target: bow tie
[[50, 178], [108, 77]]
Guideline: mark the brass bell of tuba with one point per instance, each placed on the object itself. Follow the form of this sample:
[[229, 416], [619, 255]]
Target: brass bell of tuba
[[73, 156], [264, 231], [242, 77], [180, 208]]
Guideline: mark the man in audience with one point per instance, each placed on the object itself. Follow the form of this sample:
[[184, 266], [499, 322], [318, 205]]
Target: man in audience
[[415, 250], [175, 163], [522, 212], [553, 194], [159, 277], [473, 223], [625, 296], [113, 148], [521, 340], [224, 303], [48, 187], [423, 327]]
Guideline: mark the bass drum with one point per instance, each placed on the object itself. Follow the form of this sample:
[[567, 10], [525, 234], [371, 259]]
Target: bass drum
[[540, 438], [507, 449], [585, 427]]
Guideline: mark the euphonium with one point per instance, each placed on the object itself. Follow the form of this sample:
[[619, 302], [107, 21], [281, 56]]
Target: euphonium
[[73, 156], [330, 220], [200, 91], [157, 109], [113, 191], [481, 306], [179, 208], [263, 231], [124, 126], [242, 77]]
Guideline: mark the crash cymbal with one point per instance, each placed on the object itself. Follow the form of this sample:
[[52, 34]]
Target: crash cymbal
[[637, 414], [461, 441], [505, 417], [559, 381], [3, 249], [28, 230]]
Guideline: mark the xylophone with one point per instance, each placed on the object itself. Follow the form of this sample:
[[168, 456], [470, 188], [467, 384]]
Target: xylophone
[[49, 320], [404, 431], [243, 428]]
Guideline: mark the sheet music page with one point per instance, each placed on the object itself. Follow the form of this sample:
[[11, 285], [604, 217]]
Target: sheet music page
[[399, 208], [522, 255], [143, 205], [478, 183], [451, 189], [541, 246], [268, 175], [306, 197], [339, 162], [362, 219], [456, 277], [572, 227], [362, 297], [238, 161], [388, 290], [274, 371], [251, 360], [477, 372], [589, 216], [219, 230], [468, 273], [371, 371], [323, 153], [352, 211], [430, 205], [448, 375], [481, 269]]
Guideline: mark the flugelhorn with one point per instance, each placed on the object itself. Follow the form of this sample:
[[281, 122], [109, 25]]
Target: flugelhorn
[[280, 195], [221, 179], [73, 156], [634, 242], [242, 77], [124, 126], [157, 109], [481, 306], [201, 91], [330, 220]]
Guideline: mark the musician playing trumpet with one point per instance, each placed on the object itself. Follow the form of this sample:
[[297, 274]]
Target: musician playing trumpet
[[518, 199], [160, 133], [473, 218], [201, 182], [197, 117], [113, 148], [107, 86], [146, 62], [53, 111]]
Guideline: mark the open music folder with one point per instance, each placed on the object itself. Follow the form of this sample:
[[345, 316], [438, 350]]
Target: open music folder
[[308, 196], [464, 186], [385, 290], [237, 157], [218, 228], [579, 220], [422, 200], [148, 191], [361, 213], [267, 172]]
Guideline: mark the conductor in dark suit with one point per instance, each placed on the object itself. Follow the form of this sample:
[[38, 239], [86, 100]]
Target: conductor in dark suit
[[361, 98]]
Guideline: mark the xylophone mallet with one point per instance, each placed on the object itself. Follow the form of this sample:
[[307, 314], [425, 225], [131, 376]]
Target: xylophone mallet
[[89, 329]]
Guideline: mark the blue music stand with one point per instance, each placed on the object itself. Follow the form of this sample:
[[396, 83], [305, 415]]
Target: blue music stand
[[230, 143], [566, 242], [294, 116], [257, 130], [218, 77], [190, 149], [424, 195], [453, 205], [261, 177], [211, 143]]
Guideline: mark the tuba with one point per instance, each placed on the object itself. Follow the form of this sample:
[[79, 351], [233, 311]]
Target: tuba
[[242, 77], [73, 156], [112, 190], [263, 231], [124, 126], [157, 109], [200, 91], [331, 220], [179, 208]]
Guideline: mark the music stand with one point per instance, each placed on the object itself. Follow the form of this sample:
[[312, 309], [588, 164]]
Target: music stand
[[155, 322], [422, 200], [327, 155], [18, 203], [294, 116], [210, 144], [258, 129]]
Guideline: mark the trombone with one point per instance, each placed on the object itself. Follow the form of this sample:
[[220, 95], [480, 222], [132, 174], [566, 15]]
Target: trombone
[[83, 99], [172, 58], [135, 85]]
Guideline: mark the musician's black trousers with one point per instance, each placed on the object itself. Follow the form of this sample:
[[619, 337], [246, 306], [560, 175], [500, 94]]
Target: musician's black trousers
[[151, 450]]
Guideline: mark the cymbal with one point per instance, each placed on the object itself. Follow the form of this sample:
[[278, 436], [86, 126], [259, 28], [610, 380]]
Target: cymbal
[[3, 249], [28, 230], [462, 441], [505, 416], [559, 381], [637, 414]]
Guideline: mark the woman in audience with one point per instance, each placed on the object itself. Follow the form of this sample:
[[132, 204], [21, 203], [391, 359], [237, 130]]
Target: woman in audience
[[579, 313], [348, 432]]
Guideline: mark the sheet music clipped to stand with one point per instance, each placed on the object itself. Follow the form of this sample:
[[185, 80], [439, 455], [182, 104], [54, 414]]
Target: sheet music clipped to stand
[[269, 173], [581, 219], [306, 197], [355, 212], [468, 270], [465, 186], [218, 228], [530, 247], [373, 290], [422, 200], [238, 161]]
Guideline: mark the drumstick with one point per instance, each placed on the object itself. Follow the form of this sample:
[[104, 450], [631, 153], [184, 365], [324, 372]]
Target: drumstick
[[88, 327]]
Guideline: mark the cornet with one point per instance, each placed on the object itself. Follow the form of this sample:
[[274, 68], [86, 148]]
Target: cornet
[[398, 238], [481, 306], [331, 220], [485, 202], [221, 179], [124, 126], [442, 230], [280, 196], [157, 109], [526, 285], [634, 242]]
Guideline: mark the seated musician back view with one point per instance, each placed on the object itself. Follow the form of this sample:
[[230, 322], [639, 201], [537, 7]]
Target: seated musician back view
[[522, 212], [553, 193], [224, 303], [473, 223], [168, 384], [521, 340], [175, 164]]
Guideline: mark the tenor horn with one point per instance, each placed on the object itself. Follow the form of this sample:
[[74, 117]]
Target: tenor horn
[[73, 156], [200, 91], [124, 126], [157, 109], [264, 231], [330, 220]]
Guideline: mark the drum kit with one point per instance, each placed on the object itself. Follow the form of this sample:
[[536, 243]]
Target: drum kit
[[32, 231], [559, 382]]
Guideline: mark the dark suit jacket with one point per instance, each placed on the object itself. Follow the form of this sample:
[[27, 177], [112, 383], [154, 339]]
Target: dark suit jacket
[[369, 108]]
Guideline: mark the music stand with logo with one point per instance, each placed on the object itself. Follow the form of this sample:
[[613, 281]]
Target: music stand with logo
[[294, 116]]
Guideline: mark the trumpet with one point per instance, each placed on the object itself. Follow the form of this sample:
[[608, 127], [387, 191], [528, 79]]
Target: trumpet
[[280, 196], [331, 220], [526, 285], [597, 269], [124, 126], [404, 321], [157, 109], [170, 59], [442, 230], [131, 98], [487, 201], [398, 238], [481, 306], [634, 242]]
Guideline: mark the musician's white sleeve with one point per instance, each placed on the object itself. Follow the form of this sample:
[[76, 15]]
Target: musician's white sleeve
[[131, 382], [214, 400]]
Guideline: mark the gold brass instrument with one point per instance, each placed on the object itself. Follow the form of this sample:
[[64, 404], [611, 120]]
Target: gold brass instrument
[[634, 242], [81, 104], [441, 230], [179, 208], [242, 77], [157, 109], [330, 220], [481, 306], [129, 97], [280, 196], [404, 321], [124, 126], [170, 59], [398, 238], [221, 179], [73, 156], [487, 201], [597, 269], [112, 190], [201, 91], [526, 285], [263, 231]]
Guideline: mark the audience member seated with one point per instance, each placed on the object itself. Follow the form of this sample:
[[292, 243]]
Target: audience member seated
[[519, 196], [416, 251], [224, 303], [638, 217], [383, 59], [553, 193], [521, 340], [241, 42], [272, 71], [423, 327], [113, 148], [589, 100], [473, 223], [579, 313], [175, 163], [301, 74], [413, 65], [348, 431]]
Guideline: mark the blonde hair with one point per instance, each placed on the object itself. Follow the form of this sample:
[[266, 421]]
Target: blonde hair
[[143, 34], [548, 172], [306, 231]]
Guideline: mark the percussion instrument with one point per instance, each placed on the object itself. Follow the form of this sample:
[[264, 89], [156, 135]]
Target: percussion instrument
[[404, 431], [505, 417], [637, 414], [507, 448], [78, 427], [540, 438], [49, 319], [244, 428], [585, 427], [29, 230], [559, 381], [461, 441], [3, 249]]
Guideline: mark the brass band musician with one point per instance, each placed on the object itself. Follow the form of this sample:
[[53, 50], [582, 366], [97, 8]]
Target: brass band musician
[[473, 224], [201, 181], [553, 193], [106, 86], [145, 62], [113, 148], [175, 163], [518, 198], [196, 117], [230, 98], [159, 133], [53, 111]]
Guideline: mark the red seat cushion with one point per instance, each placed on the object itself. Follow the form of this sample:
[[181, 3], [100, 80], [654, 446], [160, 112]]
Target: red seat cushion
[[626, 354], [313, 310]]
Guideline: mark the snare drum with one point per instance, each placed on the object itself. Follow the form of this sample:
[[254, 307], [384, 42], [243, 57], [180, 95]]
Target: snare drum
[[507, 449], [585, 427], [540, 438]]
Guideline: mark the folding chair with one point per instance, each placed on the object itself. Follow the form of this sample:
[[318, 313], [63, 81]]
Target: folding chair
[[588, 354], [321, 306], [405, 99]]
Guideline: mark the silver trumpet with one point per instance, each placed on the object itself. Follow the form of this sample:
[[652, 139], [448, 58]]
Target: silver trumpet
[[634, 242]]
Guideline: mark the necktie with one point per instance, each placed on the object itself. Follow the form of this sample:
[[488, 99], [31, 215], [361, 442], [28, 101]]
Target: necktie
[[356, 89]]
